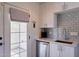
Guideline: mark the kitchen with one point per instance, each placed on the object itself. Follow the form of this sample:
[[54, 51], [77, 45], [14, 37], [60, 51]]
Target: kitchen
[[59, 35], [52, 30]]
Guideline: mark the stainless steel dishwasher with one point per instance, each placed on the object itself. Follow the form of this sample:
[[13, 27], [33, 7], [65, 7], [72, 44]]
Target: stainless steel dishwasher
[[42, 49]]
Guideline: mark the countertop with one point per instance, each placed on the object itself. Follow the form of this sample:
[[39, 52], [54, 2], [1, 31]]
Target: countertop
[[52, 41], [45, 39]]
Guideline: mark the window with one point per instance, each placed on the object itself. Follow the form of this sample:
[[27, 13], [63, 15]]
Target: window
[[18, 39]]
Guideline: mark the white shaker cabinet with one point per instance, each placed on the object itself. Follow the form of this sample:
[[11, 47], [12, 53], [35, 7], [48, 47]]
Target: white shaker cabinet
[[47, 14], [48, 10], [54, 52], [67, 51], [60, 50]]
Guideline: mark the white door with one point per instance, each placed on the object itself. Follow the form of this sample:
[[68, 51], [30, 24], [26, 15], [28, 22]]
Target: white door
[[1, 32], [31, 42], [54, 50], [67, 51]]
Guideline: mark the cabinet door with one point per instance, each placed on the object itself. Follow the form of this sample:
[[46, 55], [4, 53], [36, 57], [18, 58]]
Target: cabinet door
[[67, 51], [54, 50], [47, 15]]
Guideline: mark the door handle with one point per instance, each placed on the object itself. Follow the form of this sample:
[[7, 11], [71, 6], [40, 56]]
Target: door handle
[[0, 38]]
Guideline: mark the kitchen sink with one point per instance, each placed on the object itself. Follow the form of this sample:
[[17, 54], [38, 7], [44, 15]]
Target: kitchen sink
[[63, 42]]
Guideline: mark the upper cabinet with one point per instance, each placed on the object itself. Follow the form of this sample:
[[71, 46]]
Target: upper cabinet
[[71, 5], [48, 10], [47, 16]]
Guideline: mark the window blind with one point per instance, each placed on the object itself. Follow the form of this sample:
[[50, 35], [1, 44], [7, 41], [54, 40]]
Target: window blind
[[18, 15]]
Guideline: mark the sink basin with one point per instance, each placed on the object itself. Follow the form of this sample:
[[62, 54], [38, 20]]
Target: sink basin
[[63, 42]]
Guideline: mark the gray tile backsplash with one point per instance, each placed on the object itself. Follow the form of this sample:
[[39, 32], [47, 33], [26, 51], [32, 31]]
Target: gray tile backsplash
[[58, 33], [70, 22]]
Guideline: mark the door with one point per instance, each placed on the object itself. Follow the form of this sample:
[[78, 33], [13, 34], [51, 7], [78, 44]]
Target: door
[[31, 40], [1, 32], [67, 51], [54, 50]]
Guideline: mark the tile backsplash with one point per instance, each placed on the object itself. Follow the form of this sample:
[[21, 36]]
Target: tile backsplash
[[70, 22]]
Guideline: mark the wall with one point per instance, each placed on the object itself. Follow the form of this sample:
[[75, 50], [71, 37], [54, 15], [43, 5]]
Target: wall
[[33, 8]]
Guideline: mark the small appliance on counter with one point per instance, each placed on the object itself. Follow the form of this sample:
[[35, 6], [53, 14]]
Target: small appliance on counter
[[46, 33]]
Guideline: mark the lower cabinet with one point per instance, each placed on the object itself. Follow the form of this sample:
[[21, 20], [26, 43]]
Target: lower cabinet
[[60, 50], [54, 52], [67, 51], [46, 49]]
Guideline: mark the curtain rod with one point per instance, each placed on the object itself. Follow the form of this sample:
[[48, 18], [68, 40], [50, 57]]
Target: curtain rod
[[3, 3]]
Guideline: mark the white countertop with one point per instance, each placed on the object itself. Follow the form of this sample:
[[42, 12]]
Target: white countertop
[[51, 41]]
